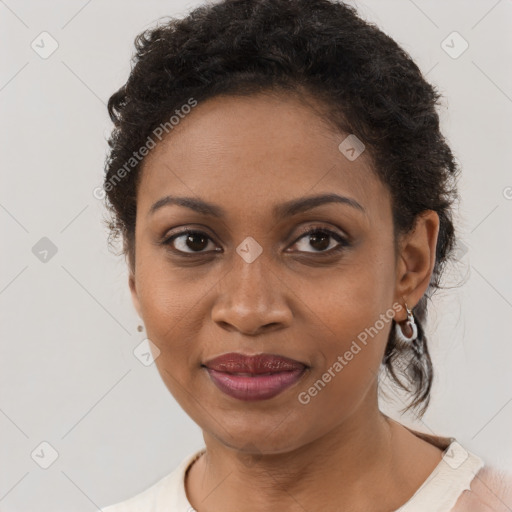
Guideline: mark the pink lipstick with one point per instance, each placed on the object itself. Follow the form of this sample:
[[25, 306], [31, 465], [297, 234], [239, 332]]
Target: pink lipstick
[[258, 377]]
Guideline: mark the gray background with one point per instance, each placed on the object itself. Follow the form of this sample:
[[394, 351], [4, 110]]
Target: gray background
[[68, 375]]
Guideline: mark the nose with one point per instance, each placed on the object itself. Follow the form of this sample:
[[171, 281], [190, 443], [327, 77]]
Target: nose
[[251, 299]]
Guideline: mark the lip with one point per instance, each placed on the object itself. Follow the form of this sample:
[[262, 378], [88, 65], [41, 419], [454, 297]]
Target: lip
[[257, 377]]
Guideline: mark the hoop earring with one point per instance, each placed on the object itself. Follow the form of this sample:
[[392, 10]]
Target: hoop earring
[[410, 320]]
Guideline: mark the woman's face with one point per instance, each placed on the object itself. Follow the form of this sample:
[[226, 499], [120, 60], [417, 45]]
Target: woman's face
[[303, 297]]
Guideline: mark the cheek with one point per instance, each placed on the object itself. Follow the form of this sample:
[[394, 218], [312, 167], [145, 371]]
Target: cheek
[[351, 299], [173, 313], [166, 292], [349, 363], [353, 316]]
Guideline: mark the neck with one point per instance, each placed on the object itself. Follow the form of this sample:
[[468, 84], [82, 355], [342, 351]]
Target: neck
[[352, 464]]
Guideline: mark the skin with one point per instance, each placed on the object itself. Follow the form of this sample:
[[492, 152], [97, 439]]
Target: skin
[[248, 154]]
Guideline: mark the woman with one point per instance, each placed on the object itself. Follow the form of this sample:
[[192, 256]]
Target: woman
[[284, 197]]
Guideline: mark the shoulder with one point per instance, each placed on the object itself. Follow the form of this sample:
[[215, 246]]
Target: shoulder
[[143, 501], [168, 493], [491, 491]]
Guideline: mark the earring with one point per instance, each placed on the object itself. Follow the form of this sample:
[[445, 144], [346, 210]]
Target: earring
[[140, 328], [410, 320]]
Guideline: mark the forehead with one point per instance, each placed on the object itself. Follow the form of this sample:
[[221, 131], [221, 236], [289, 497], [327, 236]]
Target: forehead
[[249, 153]]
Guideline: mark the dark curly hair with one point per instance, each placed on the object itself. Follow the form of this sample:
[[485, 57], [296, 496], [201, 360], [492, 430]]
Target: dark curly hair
[[367, 84]]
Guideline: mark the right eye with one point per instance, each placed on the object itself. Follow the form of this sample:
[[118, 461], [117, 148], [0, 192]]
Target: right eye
[[196, 241]]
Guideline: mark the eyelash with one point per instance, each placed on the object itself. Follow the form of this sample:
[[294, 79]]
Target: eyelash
[[343, 242]]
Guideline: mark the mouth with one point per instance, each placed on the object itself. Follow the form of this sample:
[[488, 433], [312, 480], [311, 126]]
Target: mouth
[[258, 377]]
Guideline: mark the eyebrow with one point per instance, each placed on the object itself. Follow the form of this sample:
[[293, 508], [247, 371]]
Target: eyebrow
[[287, 209]]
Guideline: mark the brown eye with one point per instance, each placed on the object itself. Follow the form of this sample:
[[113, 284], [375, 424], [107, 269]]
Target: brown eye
[[321, 240], [189, 242]]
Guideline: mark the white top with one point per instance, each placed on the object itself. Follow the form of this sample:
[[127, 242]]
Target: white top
[[439, 492]]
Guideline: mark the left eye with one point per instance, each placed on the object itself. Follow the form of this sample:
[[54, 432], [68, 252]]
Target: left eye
[[319, 240]]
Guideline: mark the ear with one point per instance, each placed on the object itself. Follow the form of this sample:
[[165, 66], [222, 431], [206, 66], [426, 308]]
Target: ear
[[133, 290], [416, 261]]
